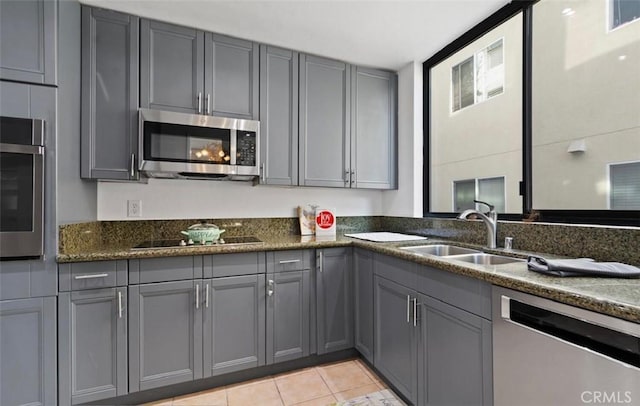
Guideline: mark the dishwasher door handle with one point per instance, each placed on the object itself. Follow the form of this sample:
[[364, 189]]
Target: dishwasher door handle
[[505, 307]]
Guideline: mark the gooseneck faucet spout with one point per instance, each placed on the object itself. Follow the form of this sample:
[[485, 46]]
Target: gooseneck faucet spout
[[490, 220]]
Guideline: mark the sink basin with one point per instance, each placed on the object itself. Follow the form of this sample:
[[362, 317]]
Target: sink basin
[[485, 259], [440, 250]]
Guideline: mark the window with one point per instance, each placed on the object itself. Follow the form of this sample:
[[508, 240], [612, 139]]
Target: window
[[490, 190], [478, 77], [624, 183], [623, 11]]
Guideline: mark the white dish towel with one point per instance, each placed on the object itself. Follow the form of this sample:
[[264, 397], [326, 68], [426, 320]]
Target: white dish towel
[[386, 237]]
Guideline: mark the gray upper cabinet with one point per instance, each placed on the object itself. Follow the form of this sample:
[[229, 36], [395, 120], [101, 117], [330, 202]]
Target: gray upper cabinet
[[287, 315], [93, 345], [278, 116], [109, 95], [325, 90], [455, 347], [396, 336], [189, 71], [373, 128], [28, 351], [231, 77], [28, 35], [171, 67], [363, 302], [165, 334], [334, 296], [234, 324]]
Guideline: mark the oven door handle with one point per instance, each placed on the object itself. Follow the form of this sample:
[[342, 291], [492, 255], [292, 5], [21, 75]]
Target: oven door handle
[[22, 149]]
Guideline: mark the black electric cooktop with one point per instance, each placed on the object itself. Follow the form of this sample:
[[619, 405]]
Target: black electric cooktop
[[156, 244]]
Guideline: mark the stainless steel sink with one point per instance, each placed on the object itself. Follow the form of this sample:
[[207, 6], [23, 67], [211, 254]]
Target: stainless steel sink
[[439, 250], [485, 259]]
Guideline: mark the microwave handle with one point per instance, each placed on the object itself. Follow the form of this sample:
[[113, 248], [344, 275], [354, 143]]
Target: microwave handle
[[22, 149]]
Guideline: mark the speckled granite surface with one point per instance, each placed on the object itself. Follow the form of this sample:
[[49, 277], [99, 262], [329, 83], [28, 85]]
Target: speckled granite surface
[[617, 297]]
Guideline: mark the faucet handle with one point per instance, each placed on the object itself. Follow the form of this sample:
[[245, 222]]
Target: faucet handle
[[491, 207]]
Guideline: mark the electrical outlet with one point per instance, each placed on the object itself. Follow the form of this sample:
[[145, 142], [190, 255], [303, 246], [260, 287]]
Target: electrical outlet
[[134, 208]]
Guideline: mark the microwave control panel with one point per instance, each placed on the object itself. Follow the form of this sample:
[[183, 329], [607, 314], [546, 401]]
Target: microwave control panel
[[246, 148]]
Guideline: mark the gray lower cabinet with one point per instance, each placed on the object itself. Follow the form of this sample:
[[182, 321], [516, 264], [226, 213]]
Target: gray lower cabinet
[[287, 315], [334, 296], [165, 334], [455, 356], [278, 116], [109, 119], [28, 351], [373, 128], [324, 122], [28, 36], [171, 67], [92, 345], [363, 302], [234, 324], [396, 336]]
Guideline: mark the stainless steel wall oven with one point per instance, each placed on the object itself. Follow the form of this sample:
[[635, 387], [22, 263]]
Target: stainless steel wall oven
[[21, 187]]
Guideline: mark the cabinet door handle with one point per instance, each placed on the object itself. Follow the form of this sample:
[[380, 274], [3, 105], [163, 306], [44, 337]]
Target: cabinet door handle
[[288, 261], [320, 261], [353, 177], [206, 298], [415, 311], [208, 103], [199, 102], [197, 296], [120, 304], [262, 172], [270, 289], [91, 276], [132, 169], [346, 176], [408, 308]]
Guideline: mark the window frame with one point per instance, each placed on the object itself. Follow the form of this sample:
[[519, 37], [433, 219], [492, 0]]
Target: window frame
[[476, 185], [609, 183], [600, 217], [610, 15]]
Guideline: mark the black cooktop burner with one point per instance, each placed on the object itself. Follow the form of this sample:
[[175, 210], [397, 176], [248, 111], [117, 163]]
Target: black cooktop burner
[[183, 243]]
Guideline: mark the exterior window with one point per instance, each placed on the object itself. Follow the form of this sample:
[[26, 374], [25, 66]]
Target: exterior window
[[624, 11], [478, 77], [624, 181], [490, 190]]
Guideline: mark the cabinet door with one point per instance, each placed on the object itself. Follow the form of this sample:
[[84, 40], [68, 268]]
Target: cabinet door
[[171, 67], [28, 351], [287, 315], [455, 347], [109, 95], [234, 324], [396, 349], [363, 302], [28, 35], [93, 345], [373, 128], [324, 122], [231, 77], [165, 334], [334, 281], [278, 116]]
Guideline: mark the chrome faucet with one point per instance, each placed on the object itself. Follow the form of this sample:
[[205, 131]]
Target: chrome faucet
[[490, 220]]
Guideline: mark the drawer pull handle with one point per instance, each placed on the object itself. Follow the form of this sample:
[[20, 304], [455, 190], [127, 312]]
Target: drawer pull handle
[[270, 289], [92, 276], [288, 261]]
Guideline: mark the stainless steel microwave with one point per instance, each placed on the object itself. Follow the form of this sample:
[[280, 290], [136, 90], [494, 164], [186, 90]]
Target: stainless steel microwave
[[21, 187], [178, 145]]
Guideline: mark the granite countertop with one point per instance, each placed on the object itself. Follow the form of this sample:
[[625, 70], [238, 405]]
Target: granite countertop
[[613, 296]]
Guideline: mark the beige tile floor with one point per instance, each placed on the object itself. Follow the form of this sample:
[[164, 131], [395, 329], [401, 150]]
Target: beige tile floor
[[326, 384]]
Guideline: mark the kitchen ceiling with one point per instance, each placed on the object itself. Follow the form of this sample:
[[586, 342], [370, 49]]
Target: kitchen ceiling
[[383, 33]]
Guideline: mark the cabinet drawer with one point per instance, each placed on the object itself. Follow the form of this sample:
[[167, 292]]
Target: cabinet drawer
[[293, 260], [92, 275], [247, 263], [164, 269], [461, 291], [397, 270]]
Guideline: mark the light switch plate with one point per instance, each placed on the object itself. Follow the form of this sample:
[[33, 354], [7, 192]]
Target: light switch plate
[[134, 208]]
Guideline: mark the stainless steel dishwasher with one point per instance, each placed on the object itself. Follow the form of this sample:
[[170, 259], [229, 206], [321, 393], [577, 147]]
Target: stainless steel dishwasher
[[548, 353]]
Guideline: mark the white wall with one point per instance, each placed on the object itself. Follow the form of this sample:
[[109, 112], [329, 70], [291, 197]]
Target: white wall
[[193, 199], [407, 200]]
